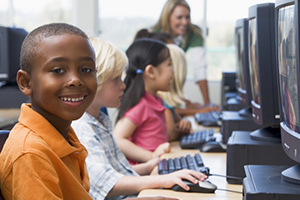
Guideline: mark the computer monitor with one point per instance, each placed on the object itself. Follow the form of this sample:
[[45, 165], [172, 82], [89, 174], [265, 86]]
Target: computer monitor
[[263, 73], [11, 39], [288, 57], [242, 68]]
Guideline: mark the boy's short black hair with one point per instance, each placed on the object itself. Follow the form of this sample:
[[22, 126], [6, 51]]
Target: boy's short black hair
[[30, 44]]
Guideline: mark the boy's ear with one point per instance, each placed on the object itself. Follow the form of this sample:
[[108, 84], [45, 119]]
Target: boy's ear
[[23, 80], [150, 71]]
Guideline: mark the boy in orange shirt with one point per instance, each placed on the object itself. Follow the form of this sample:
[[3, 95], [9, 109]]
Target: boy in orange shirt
[[42, 157]]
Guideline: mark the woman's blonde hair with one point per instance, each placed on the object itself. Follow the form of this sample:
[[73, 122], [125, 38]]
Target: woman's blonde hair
[[110, 60], [173, 98], [163, 23]]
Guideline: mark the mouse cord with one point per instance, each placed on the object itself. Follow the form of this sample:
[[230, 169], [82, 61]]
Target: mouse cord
[[232, 177], [225, 176], [230, 191]]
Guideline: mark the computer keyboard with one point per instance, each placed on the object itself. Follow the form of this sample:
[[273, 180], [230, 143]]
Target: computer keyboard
[[196, 139], [212, 118], [166, 166], [195, 162]]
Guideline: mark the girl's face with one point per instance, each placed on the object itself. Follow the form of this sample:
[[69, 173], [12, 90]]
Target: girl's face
[[179, 20], [164, 75]]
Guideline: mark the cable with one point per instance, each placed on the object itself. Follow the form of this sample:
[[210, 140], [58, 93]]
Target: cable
[[225, 176], [230, 191]]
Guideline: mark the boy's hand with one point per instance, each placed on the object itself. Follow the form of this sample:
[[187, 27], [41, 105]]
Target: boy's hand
[[161, 149], [184, 127], [186, 174]]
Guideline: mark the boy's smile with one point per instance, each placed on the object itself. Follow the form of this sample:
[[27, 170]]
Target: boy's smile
[[63, 78]]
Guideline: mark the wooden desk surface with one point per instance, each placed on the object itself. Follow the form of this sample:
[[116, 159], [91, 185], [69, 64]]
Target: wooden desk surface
[[9, 117], [217, 164]]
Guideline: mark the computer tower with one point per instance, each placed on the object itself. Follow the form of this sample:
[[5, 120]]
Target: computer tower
[[243, 150], [228, 87], [235, 121], [264, 182], [12, 97]]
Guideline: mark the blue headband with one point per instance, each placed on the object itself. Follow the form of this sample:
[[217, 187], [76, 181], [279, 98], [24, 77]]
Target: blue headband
[[139, 71]]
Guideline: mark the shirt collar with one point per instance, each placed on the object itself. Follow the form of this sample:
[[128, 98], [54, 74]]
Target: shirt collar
[[178, 40], [155, 102], [43, 128]]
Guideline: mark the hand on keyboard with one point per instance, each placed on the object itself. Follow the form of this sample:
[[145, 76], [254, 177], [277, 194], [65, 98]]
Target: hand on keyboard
[[178, 178], [189, 182], [184, 127]]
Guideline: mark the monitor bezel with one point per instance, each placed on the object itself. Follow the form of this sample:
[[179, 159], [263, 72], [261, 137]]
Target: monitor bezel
[[4, 53], [11, 42], [267, 112], [245, 94], [290, 139]]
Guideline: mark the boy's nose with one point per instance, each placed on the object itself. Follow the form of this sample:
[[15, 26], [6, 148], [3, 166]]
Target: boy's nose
[[74, 80]]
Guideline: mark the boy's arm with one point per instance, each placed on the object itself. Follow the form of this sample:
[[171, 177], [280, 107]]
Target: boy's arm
[[132, 185], [122, 132]]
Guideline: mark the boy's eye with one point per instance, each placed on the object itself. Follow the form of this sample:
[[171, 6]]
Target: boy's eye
[[86, 70], [58, 71]]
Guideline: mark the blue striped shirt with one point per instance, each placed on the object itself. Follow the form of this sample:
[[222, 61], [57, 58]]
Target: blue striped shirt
[[106, 164]]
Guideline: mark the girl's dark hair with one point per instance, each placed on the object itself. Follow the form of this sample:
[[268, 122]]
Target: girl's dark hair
[[141, 53], [161, 36]]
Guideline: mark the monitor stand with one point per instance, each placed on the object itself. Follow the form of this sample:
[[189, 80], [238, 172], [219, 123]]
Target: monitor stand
[[234, 104], [11, 96], [236, 121], [265, 182], [243, 150], [267, 134]]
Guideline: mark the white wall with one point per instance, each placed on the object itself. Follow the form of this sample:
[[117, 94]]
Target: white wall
[[85, 16], [192, 91]]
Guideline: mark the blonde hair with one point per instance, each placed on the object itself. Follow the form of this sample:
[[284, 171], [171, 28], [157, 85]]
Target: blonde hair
[[163, 23], [110, 60], [173, 98]]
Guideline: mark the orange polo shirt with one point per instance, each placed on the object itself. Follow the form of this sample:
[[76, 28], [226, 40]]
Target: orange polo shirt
[[38, 163]]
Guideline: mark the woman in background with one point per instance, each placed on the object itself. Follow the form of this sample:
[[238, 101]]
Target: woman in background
[[175, 20]]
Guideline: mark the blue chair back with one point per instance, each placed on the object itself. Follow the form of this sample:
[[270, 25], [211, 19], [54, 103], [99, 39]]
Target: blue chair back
[[3, 137]]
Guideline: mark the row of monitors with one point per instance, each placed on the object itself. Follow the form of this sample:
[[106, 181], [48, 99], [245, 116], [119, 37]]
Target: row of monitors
[[268, 68]]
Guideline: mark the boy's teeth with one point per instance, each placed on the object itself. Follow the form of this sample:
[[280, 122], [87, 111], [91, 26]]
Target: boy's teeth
[[72, 99]]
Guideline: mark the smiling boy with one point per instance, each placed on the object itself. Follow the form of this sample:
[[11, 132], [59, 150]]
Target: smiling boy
[[42, 157]]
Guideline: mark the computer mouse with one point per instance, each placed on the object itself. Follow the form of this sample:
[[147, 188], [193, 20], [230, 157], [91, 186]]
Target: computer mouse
[[202, 187], [211, 146]]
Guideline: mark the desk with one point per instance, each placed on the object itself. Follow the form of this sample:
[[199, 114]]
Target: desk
[[8, 117], [217, 164]]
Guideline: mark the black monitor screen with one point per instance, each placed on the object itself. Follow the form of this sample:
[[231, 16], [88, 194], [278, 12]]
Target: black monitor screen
[[253, 65], [239, 42], [287, 67]]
